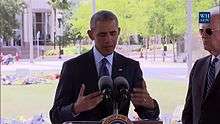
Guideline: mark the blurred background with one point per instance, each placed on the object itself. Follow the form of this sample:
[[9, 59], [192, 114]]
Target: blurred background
[[37, 36]]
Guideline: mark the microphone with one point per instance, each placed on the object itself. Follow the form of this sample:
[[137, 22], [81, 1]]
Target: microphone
[[105, 84], [121, 87]]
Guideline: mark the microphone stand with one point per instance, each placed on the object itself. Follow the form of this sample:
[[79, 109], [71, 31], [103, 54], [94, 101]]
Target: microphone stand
[[115, 107], [116, 101]]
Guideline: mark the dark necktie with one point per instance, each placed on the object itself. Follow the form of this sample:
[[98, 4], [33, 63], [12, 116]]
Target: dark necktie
[[103, 71], [211, 74]]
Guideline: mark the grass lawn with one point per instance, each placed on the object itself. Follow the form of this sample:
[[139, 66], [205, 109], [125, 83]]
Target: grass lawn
[[26, 100], [169, 94], [29, 100]]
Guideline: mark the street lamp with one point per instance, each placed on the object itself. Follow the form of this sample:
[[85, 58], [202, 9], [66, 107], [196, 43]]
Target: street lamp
[[93, 6], [38, 44], [189, 35], [30, 31]]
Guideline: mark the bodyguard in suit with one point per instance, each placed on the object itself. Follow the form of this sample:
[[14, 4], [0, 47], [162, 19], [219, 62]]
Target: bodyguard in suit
[[203, 98], [78, 97]]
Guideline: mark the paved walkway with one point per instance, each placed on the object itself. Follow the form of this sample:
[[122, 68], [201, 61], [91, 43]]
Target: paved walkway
[[56, 64], [150, 68]]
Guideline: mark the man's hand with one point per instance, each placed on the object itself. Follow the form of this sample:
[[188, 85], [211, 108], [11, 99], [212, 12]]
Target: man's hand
[[85, 103], [141, 97]]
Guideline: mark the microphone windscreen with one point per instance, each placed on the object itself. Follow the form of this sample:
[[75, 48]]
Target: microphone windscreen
[[121, 82], [105, 82]]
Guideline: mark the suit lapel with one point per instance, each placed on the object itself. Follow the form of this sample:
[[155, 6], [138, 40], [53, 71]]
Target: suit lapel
[[218, 76], [215, 84], [217, 80], [117, 66], [92, 80], [204, 73], [92, 66]]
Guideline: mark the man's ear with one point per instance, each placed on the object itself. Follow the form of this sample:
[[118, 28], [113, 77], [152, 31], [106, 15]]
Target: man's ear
[[119, 30], [90, 33]]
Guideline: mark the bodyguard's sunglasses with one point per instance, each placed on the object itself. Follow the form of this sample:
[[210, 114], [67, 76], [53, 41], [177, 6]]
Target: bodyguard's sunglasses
[[208, 31]]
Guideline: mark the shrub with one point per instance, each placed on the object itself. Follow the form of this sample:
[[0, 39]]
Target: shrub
[[51, 52]]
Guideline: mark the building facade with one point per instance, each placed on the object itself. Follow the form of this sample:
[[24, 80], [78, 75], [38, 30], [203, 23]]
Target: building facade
[[39, 25]]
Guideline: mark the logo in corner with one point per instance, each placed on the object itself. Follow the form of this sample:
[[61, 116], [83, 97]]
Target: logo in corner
[[204, 17]]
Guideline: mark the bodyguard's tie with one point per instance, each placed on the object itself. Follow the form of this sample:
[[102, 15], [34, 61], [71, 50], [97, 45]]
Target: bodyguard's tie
[[103, 71], [211, 74]]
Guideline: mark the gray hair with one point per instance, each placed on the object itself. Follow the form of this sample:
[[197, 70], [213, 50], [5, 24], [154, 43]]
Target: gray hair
[[103, 15], [214, 11]]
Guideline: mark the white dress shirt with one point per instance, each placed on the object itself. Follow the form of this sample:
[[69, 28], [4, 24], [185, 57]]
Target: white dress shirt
[[98, 58]]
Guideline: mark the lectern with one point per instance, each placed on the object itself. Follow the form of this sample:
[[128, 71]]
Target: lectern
[[99, 122], [115, 119]]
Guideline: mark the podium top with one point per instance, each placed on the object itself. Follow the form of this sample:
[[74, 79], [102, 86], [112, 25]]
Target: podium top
[[99, 122], [147, 122], [82, 122]]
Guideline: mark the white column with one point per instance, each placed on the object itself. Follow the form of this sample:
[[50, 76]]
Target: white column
[[30, 31], [25, 26], [11, 42], [189, 35], [38, 44], [93, 6], [46, 21], [53, 23]]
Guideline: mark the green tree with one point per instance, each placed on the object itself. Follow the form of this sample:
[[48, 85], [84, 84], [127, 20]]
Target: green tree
[[198, 6], [131, 19], [58, 5], [8, 22], [166, 18]]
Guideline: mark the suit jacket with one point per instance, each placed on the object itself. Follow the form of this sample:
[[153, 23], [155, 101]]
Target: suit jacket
[[202, 107], [82, 69]]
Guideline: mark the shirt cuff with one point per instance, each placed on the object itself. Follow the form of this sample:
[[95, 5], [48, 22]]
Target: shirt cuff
[[148, 113], [74, 114], [71, 109]]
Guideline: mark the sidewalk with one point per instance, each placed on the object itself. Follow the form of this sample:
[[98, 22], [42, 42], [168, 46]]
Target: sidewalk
[[56, 64], [160, 64], [151, 69]]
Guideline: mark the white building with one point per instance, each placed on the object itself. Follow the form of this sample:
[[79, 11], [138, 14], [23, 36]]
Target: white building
[[38, 16]]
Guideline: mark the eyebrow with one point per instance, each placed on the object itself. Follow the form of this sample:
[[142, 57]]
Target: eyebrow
[[107, 32], [202, 26]]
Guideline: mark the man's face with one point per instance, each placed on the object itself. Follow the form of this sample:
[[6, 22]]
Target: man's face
[[211, 35], [105, 35]]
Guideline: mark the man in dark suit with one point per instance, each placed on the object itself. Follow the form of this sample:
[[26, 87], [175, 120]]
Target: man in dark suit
[[78, 97], [203, 98]]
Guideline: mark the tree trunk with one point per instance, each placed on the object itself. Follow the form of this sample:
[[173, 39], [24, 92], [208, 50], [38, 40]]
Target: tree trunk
[[174, 55]]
